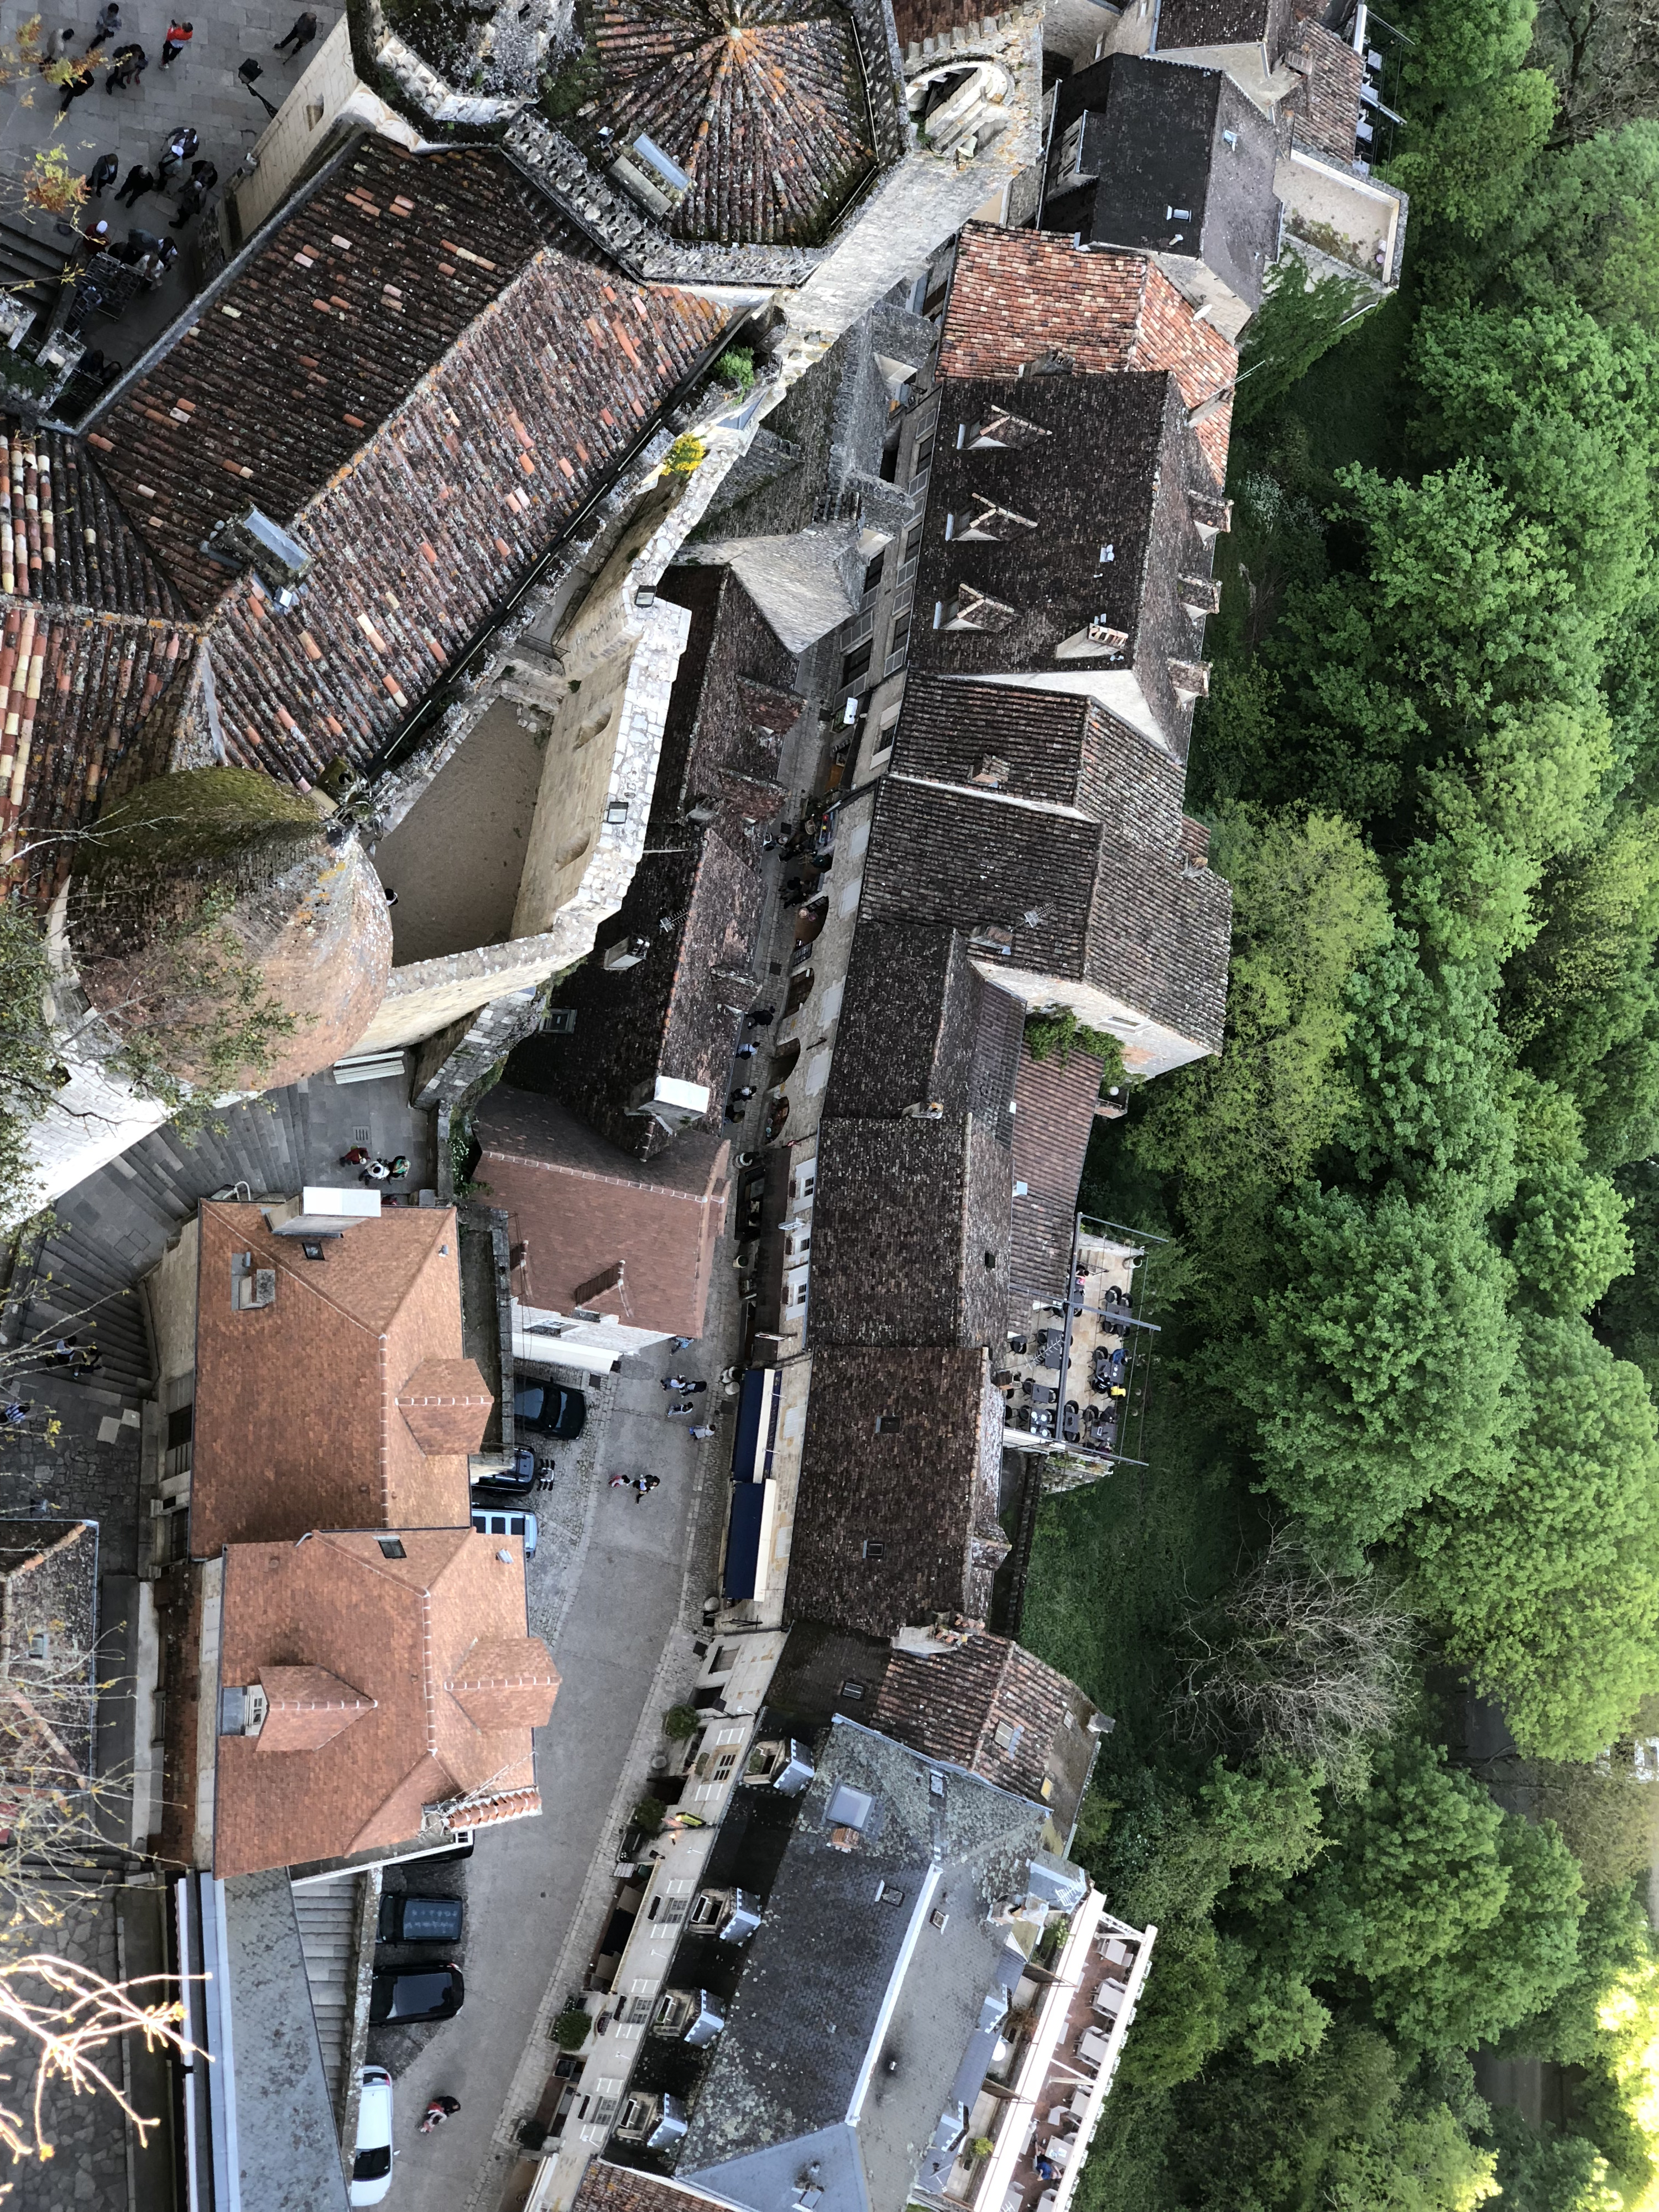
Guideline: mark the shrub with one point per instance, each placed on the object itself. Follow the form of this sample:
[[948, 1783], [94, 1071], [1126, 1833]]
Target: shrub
[[648, 1815], [735, 367], [570, 2029], [681, 1722]]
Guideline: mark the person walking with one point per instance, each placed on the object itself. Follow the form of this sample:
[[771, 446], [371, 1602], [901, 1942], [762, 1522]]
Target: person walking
[[178, 38], [59, 44], [760, 1017], [127, 64], [204, 174], [679, 1343], [96, 240], [101, 175], [77, 84], [746, 1051], [139, 181], [108, 23], [682, 1406], [675, 1382], [700, 1429], [304, 30], [438, 2111], [183, 146], [645, 1485], [376, 1170], [190, 204]]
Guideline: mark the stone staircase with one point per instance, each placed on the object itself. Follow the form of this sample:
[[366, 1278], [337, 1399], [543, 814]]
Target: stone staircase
[[110, 1230], [327, 1914]]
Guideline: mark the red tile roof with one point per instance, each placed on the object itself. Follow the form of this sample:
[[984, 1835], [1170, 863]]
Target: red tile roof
[[989, 1706], [430, 1660], [1018, 295], [581, 1208], [1056, 1100], [1326, 105], [300, 1421], [422, 378], [760, 102]]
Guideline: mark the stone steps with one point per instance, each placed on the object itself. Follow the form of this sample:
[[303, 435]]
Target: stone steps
[[327, 1914]]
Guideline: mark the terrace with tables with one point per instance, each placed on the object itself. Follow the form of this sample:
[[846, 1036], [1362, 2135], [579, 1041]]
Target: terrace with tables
[[1075, 1378]]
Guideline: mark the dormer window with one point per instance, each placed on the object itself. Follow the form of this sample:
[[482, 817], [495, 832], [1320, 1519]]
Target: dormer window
[[1211, 515], [1001, 427], [984, 520], [1099, 638], [992, 772], [1199, 595], [972, 609]]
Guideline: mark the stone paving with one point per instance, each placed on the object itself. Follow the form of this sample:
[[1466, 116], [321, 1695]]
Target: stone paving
[[201, 88], [89, 2172]]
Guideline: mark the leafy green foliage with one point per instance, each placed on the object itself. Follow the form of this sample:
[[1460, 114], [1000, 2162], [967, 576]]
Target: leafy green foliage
[[1570, 1242], [30, 1073], [1299, 320], [1548, 1583], [1053, 1031], [1378, 1372]]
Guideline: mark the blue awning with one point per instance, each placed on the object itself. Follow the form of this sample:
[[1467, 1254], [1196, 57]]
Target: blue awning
[[758, 1425], [742, 1541]]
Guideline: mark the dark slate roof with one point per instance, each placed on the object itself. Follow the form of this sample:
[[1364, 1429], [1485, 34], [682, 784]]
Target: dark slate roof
[[760, 104], [830, 1970], [676, 1013], [1154, 141], [1056, 1100], [919, 1023], [909, 1233], [820, 1663], [993, 1707], [1111, 464], [926, 1491], [732, 704], [422, 377], [1183, 23], [1127, 907]]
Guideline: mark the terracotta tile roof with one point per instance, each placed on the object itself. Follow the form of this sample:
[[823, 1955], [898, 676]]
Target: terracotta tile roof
[[987, 1705], [306, 1708], [434, 1638], [1056, 1100], [422, 378], [1326, 105], [607, 2188], [1018, 295], [897, 1523], [298, 1419], [446, 1403], [583, 1209], [92, 632], [761, 103]]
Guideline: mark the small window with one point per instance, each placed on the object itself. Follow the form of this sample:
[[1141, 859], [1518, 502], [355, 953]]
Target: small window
[[872, 574], [41, 1644], [1008, 1734], [939, 1920], [923, 455], [873, 1549], [889, 1893], [853, 1690], [313, 1247], [182, 1426], [638, 2011], [724, 1659], [913, 538], [724, 1764], [990, 1259], [856, 665], [848, 1807], [391, 1547], [888, 1425]]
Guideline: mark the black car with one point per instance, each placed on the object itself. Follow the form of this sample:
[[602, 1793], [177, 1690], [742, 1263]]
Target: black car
[[402, 1994], [508, 1481], [419, 1919], [549, 1411]]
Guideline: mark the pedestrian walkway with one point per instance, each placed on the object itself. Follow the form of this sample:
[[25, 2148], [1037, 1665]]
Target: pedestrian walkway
[[201, 88]]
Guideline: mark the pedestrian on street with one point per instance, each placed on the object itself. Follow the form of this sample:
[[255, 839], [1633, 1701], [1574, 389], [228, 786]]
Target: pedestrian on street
[[204, 174], [78, 85], [761, 1018], [747, 1051], [376, 1172], [127, 64], [355, 1158], [109, 23], [13, 1415], [60, 42], [183, 146], [139, 181], [399, 1167], [743, 1091], [190, 205], [676, 1381], [96, 240], [438, 2111], [621, 1481], [101, 175], [679, 1343], [304, 30], [645, 1485], [682, 1406], [178, 38], [701, 1430]]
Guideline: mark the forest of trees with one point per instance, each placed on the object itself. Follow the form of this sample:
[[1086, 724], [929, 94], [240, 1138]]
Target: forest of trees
[[1411, 1302]]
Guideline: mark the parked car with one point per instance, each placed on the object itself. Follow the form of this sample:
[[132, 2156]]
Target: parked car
[[549, 1410], [419, 1919], [509, 1481], [371, 2163], [502, 1521], [402, 1993]]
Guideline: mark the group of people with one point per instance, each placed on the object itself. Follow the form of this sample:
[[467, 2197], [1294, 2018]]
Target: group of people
[[152, 256], [757, 1018], [374, 1170], [122, 68]]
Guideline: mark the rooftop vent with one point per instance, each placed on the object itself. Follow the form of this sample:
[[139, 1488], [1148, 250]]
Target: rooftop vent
[[992, 772], [850, 1807], [626, 952], [253, 541]]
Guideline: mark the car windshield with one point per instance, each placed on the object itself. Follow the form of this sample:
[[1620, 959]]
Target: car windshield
[[372, 2165]]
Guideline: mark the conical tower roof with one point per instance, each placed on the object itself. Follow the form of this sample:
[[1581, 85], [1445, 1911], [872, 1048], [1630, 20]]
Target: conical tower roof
[[209, 902]]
